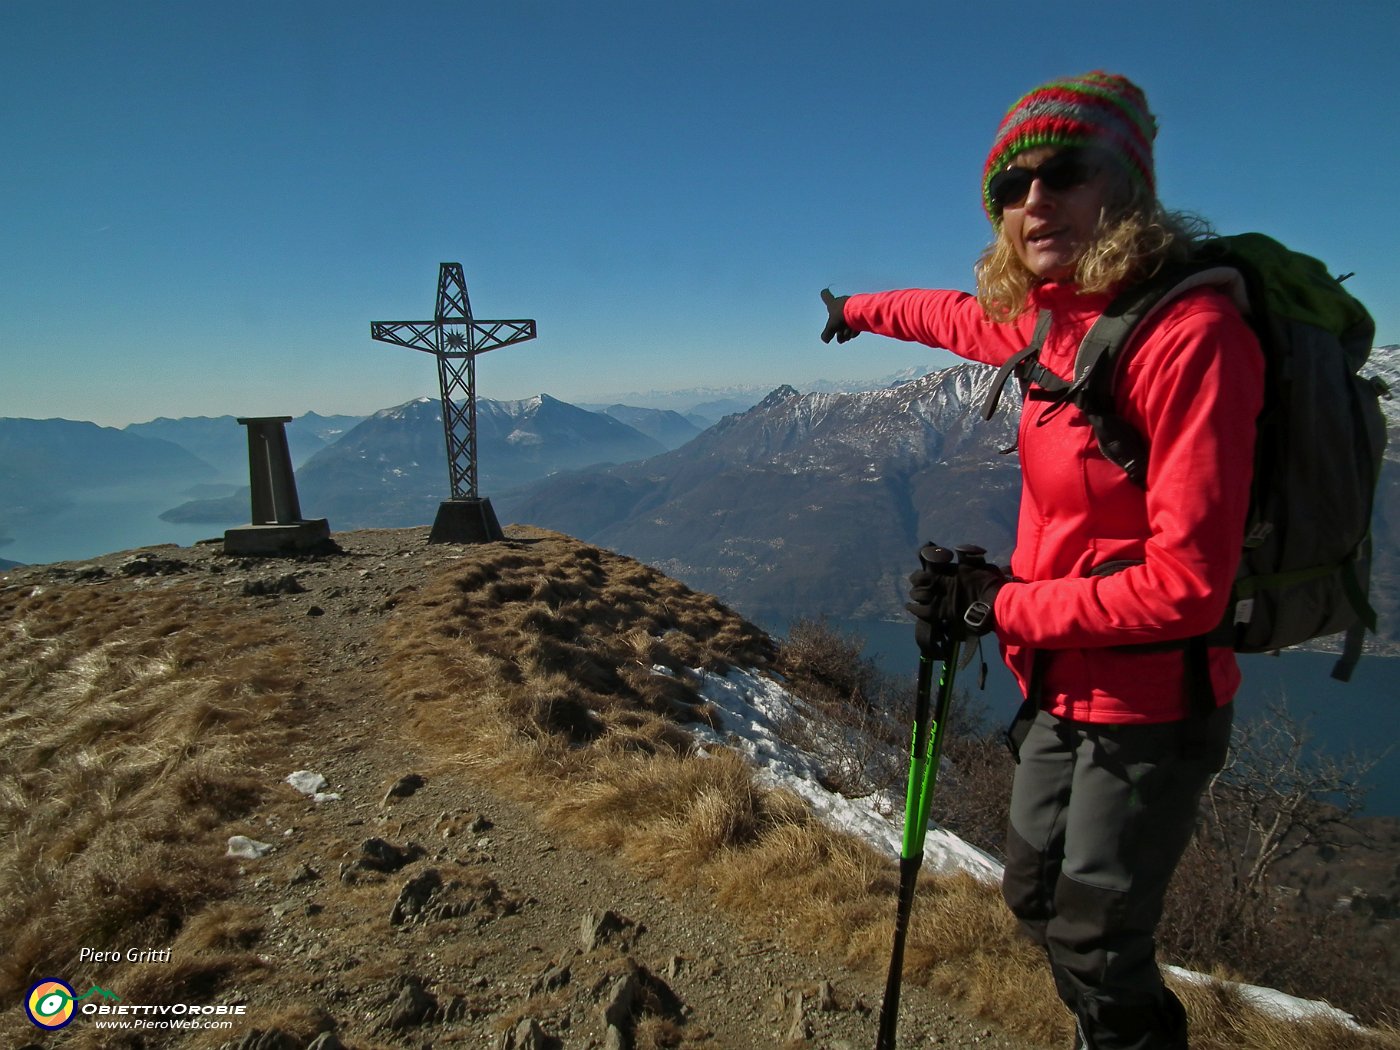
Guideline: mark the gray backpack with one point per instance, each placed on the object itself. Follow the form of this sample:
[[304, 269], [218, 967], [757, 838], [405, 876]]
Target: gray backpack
[[1306, 564]]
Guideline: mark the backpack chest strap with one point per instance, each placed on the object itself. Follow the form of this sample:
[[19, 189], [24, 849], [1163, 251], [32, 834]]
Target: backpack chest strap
[[1090, 387], [1017, 363]]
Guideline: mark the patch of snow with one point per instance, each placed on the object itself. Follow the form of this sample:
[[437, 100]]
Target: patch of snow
[[753, 709], [243, 847], [313, 785], [1275, 1003]]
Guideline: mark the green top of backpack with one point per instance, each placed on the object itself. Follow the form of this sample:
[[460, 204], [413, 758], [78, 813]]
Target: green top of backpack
[[1291, 286]]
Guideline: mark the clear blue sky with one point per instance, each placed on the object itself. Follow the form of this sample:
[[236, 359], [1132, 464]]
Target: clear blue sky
[[206, 204]]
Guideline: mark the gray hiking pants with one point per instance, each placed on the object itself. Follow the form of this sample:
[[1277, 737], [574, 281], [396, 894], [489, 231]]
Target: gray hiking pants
[[1100, 816]]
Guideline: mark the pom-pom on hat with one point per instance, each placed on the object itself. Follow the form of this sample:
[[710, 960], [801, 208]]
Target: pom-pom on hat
[[1104, 110]]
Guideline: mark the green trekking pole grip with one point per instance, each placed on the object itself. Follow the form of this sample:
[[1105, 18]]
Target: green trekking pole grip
[[929, 718]]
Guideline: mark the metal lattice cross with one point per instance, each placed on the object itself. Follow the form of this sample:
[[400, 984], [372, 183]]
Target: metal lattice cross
[[455, 338]]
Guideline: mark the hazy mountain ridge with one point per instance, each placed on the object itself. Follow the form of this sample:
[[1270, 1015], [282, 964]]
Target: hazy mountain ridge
[[223, 443], [49, 465], [65, 484], [714, 402], [804, 503], [670, 429], [391, 469], [53, 453], [47, 462], [54, 469]]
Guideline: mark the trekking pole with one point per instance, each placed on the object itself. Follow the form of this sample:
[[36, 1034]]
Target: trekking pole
[[930, 720]]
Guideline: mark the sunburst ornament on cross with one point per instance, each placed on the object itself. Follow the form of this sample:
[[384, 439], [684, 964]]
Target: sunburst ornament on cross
[[454, 337]]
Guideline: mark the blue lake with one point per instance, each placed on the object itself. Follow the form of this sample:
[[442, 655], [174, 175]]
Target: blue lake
[[1361, 716], [101, 521]]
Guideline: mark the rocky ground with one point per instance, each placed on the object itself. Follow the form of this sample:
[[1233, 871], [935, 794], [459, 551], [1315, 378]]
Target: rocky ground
[[419, 908]]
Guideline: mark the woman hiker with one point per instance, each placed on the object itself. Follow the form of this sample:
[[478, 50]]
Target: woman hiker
[[1109, 578]]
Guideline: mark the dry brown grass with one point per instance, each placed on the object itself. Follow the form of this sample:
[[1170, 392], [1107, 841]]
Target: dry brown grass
[[137, 728], [132, 726], [533, 665]]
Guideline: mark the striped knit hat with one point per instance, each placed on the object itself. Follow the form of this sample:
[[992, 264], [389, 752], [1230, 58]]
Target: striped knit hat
[[1102, 109]]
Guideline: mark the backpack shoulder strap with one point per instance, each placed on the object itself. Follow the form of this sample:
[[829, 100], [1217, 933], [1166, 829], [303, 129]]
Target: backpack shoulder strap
[[1096, 362], [1139, 304], [1015, 363]]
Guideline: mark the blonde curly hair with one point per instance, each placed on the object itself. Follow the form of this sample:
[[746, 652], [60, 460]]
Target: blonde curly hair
[[1135, 238]]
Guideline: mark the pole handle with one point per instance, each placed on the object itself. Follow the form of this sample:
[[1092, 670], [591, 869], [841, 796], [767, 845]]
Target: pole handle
[[931, 555]]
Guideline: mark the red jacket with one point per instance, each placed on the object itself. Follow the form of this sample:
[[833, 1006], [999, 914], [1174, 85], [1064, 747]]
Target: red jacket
[[1192, 385]]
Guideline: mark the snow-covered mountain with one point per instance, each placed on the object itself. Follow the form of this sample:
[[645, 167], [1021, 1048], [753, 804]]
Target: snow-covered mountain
[[721, 400], [816, 502], [1384, 364], [807, 501]]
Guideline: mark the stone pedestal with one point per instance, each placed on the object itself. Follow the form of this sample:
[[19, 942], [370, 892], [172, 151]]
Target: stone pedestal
[[298, 537], [277, 526], [466, 520]]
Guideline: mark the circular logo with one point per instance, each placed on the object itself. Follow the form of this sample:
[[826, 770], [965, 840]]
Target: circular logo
[[50, 1003]]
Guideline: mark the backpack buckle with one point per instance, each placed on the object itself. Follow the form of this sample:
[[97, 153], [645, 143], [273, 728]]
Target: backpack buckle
[[1257, 534]]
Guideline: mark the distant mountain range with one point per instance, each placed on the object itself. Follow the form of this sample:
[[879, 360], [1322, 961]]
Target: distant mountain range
[[222, 443], [667, 428], [47, 453], [46, 463], [817, 502], [712, 403], [391, 469], [807, 502], [802, 504]]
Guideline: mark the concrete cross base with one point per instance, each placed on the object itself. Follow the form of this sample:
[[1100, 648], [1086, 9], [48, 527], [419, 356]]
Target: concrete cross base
[[293, 537], [466, 521]]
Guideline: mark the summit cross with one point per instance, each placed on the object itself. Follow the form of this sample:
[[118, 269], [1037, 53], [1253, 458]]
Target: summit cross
[[455, 338]]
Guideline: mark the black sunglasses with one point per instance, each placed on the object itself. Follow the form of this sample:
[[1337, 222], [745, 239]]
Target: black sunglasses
[[1063, 171]]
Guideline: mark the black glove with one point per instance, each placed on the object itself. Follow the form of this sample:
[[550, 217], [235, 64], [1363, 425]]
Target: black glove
[[836, 318], [955, 599]]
